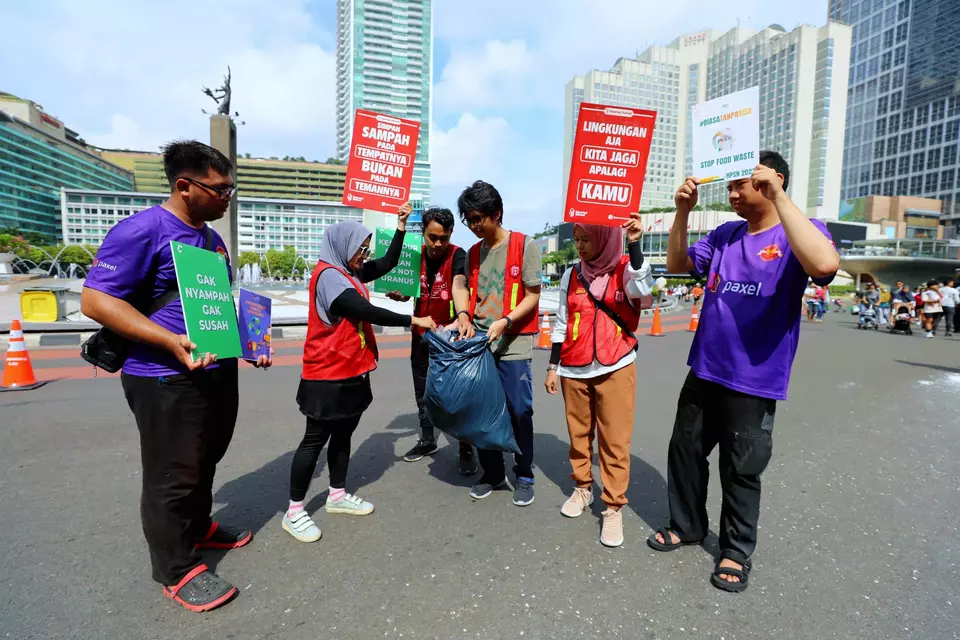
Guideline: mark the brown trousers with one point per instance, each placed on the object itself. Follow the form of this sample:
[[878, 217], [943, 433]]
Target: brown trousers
[[603, 406]]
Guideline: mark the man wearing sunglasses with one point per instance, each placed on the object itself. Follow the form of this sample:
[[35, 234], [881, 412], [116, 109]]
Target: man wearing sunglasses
[[185, 410]]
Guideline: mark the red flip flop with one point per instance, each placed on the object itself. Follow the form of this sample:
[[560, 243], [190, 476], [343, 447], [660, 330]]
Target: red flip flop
[[201, 590], [220, 537]]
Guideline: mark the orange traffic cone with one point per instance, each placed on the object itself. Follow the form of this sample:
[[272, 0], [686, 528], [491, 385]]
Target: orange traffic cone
[[655, 330], [694, 319], [543, 340], [18, 372]]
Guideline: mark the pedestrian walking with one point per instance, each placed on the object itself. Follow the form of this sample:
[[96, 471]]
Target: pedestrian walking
[[950, 301]]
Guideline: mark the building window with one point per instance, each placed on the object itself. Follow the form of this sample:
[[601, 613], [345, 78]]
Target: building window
[[877, 170], [903, 165], [908, 119], [946, 179], [890, 169], [916, 183], [902, 32], [923, 115], [882, 127], [920, 139], [894, 123], [900, 56], [949, 156], [896, 101], [952, 129], [930, 183], [892, 145], [933, 159], [878, 149], [936, 134], [918, 162], [902, 186]]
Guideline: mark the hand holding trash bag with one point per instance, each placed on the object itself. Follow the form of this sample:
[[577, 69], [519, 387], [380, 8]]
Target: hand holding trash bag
[[464, 396]]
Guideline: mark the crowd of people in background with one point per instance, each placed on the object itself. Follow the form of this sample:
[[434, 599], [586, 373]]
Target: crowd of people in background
[[926, 306]]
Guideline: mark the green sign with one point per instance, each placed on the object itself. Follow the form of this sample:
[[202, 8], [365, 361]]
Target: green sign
[[207, 301], [405, 277]]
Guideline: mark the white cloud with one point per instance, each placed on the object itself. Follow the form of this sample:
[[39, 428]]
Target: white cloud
[[134, 81], [490, 77]]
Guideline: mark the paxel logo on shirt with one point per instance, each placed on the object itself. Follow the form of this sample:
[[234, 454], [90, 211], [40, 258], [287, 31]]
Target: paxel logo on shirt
[[715, 285], [103, 265]]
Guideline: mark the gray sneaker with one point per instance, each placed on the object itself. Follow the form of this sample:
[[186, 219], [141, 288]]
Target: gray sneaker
[[483, 489], [523, 494]]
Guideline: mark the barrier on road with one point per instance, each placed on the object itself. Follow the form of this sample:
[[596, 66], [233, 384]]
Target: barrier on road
[[18, 370], [543, 340], [694, 319], [655, 330]]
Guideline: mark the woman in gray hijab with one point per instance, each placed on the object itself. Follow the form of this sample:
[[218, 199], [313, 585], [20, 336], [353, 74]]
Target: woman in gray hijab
[[339, 353]]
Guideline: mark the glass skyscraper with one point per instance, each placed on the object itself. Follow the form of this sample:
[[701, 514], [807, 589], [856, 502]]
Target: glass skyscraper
[[903, 106], [38, 156], [385, 64]]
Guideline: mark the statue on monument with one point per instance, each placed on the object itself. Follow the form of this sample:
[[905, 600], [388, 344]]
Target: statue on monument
[[223, 99]]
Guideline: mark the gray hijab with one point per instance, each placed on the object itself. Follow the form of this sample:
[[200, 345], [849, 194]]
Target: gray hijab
[[340, 244]]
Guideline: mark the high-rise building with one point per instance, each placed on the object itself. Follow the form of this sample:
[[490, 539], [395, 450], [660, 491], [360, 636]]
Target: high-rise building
[[256, 177], [903, 99], [38, 156], [264, 223], [801, 75], [385, 64]]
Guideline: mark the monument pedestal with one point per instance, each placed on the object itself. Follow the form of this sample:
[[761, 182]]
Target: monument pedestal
[[223, 138]]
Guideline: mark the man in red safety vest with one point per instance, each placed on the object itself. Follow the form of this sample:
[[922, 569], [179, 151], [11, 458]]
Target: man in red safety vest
[[442, 266], [504, 291]]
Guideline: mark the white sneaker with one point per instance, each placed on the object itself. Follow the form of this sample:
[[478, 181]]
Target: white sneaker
[[930, 334], [578, 502], [349, 504], [611, 534], [301, 527]]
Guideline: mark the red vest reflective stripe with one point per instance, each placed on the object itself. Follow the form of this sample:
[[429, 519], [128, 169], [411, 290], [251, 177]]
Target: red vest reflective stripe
[[343, 350], [591, 333], [512, 284], [436, 299]]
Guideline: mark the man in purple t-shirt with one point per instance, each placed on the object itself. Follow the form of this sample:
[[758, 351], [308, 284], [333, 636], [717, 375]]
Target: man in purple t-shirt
[[740, 361], [185, 410]]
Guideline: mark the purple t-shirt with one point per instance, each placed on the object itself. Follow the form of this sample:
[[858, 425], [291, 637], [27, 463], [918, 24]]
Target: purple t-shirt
[[750, 321], [136, 254]]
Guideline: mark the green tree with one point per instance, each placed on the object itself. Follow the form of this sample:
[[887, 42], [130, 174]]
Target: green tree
[[248, 257], [283, 262]]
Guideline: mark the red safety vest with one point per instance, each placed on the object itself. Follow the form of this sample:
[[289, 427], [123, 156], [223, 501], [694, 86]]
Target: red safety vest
[[591, 333], [512, 285], [436, 298], [338, 351]]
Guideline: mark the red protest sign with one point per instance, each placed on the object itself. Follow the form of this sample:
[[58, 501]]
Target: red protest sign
[[380, 169], [610, 154]]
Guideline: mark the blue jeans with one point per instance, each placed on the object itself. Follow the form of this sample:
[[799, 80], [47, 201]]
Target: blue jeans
[[517, 379]]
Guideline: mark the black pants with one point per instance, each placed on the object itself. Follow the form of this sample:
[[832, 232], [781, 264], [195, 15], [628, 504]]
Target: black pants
[[949, 317], [338, 432], [709, 414], [420, 365], [186, 423]]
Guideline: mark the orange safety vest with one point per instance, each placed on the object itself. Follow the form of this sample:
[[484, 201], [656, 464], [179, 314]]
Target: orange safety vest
[[513, 291], [436, 298]]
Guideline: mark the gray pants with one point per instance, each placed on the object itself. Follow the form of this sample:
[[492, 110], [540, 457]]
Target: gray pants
[[949, 314]]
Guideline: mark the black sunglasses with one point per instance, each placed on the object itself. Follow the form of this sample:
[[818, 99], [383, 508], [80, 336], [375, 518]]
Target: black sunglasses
[[224, 193]]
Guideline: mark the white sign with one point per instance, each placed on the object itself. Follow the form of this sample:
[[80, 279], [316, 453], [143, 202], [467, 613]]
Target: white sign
[[726, 136]]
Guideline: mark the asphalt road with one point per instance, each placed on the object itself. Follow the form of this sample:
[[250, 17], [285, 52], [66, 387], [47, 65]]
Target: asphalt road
[[858, 539]]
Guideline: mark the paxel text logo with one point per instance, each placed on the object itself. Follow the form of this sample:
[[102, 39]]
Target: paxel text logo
[[743, 288], [103, 265]]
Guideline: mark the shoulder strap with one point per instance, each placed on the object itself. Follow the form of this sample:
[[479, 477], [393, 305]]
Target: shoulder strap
[[170, 295], [607, 310]]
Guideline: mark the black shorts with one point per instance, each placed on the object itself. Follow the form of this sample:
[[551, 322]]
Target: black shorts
[[933, 316]]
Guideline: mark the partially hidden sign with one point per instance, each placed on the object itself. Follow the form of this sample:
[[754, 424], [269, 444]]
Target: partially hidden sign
[[380, 170], [726, 136], [405, 277], [207, 301], [610, 152]]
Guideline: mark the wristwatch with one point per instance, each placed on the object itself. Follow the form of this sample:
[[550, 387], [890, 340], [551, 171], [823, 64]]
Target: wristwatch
[[551, 367], [509, 322]]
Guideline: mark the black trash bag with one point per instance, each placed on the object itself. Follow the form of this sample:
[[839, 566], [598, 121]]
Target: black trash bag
[[464, 396]]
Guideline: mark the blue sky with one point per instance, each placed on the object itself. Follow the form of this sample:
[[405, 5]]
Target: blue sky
[[128, 74]]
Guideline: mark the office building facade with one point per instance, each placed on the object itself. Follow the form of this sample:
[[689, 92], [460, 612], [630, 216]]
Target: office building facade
[[903, 111], [264, 223], [38, 156], [385, 64], [256, 177], [802, 80]]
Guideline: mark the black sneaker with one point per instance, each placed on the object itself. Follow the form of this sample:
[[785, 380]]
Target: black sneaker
[[422, 448], [483, 488], [468, 464], [523, 494]]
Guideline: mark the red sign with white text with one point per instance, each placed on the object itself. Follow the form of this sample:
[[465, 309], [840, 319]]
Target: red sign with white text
[[610, 154], [380, 169]]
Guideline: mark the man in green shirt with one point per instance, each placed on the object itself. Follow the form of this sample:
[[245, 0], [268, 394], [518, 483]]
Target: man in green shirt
[[503, 270]]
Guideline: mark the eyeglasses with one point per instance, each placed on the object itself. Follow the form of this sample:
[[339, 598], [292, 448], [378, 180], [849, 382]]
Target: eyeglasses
[[364, 252], [474, 221], [224, 193]]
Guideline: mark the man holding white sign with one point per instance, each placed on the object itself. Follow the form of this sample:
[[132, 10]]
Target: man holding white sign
[[741, 355]]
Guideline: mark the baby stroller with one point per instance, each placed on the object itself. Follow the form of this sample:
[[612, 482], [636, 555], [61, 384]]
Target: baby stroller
[[868, 317], [901, 321]]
